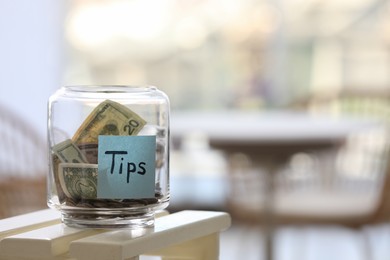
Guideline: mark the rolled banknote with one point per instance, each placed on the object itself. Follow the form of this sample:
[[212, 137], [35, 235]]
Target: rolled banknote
[[108, 118], [78, 180]]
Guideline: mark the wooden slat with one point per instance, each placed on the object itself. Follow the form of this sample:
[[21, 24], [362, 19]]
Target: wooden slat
[[40, 235], [168, 230], [44, 242], [27, 222]]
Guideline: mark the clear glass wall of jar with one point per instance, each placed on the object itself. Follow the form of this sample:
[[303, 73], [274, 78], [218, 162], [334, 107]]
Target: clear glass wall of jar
[[108, 155]]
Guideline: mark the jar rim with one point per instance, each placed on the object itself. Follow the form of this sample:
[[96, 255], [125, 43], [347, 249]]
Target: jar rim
[[108, 88]]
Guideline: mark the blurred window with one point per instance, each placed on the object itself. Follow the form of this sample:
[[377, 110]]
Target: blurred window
[[215, 54]]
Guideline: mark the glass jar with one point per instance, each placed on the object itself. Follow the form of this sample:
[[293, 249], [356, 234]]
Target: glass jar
[[108, 155]]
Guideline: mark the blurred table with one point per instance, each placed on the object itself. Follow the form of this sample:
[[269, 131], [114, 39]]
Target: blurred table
[[257, 129], [267, 138]]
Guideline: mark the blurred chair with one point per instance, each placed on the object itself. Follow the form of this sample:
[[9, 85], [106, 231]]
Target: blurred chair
[[358, 192], [23, 166]]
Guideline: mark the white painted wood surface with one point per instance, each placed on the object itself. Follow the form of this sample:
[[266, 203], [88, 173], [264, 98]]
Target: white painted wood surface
[[26, 222], [182, 235]]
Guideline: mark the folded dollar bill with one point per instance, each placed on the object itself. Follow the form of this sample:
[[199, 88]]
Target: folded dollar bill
[[108, 118], [78, 180], [68, 152]]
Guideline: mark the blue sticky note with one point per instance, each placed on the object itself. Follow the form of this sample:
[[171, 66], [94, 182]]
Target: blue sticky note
[[126, 167]]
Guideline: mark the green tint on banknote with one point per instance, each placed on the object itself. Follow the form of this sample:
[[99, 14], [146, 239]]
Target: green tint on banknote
[[78, 180], [68, 152]]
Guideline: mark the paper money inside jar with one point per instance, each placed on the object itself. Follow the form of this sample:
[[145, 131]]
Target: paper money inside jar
[[108, 155]]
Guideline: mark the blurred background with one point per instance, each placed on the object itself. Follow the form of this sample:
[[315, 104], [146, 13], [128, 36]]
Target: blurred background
[[206, 55], [311, 57]]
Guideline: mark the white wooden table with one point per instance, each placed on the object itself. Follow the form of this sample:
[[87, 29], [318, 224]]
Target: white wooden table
[[183, 235]]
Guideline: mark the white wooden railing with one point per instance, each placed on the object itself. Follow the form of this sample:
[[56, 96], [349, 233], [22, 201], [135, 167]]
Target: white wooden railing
[[183, 235]]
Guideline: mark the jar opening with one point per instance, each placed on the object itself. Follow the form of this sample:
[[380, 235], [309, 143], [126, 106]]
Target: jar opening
[[108, 88]]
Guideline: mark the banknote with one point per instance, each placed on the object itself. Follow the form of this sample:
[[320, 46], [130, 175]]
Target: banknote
[[78, 180], [108, 118], [67, 152], [55, 164], [90, 151]]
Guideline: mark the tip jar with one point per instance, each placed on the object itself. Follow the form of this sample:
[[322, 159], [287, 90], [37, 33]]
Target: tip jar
[[108, 155]]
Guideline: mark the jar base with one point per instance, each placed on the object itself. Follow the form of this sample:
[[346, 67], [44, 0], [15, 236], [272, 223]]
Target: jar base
[[98, 219]]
